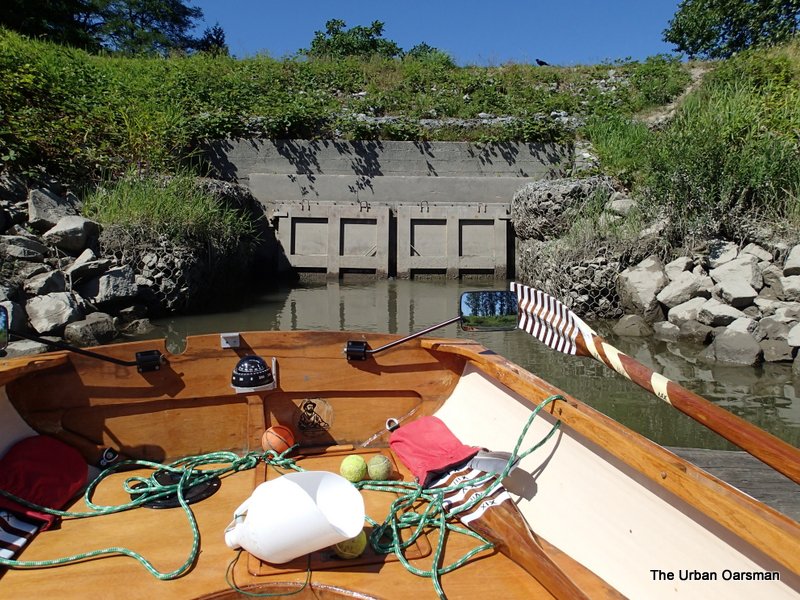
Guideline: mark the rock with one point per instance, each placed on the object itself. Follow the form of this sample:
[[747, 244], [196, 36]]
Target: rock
[[116, 285], [714, 313], [71, 233], [23, 248], [773, 328], [138, 327], [86, 267], [793, 337], [619, 204], [752, 312], [17, 318], [45, 283], [742, 269], [721, 252], [776, 351], [45, 208], [757, 251], [687, 311], [24, 348], [796, 366], [792, 265], [791, 288], [789, 313], [666, 331], [695, 332], [747, 325], [132, 313], [772, 275], [97, 328], [637, 288], [735, 348], [633, 326], [768, 306], [50, 313], [9, 291], [737, 293], [677, 266], [683, 287]]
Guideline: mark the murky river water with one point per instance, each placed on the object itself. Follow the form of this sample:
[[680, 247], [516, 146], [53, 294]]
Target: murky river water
[[766, 396]]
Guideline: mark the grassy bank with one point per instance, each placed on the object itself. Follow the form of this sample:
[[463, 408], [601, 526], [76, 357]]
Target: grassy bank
[[729, 159], [82, 115]]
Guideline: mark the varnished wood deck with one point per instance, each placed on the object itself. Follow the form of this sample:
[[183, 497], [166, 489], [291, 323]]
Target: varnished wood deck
[[748, 474]]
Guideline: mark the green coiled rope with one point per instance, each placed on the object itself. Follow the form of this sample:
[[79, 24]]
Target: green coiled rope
[[402, 514]]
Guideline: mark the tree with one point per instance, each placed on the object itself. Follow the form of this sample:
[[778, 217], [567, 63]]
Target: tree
[[720, 28], [213, 41], [338, 42], [128, 26]]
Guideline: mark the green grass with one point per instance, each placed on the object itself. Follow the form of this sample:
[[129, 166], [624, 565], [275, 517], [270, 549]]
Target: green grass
[[174, 207]]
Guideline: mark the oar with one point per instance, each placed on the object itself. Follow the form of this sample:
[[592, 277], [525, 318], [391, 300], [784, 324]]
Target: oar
[[551, 322], [499, 521]]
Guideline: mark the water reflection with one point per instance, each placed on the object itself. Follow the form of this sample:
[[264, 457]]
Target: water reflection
[[767, 396]]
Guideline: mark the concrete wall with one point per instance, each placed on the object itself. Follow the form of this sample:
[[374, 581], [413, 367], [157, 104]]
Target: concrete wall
[[390, 208]]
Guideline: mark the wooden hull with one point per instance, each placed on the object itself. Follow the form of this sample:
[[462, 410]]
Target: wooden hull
[[617, 513]]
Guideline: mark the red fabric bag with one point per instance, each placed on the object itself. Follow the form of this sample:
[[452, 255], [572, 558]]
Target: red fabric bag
[[429, 449], [42, 470]]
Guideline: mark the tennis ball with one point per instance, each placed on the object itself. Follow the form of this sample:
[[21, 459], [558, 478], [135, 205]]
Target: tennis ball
[[353, 468], [352, 548], [379, 468]]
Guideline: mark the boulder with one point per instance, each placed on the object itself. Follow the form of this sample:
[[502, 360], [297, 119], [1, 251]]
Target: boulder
[[695, 332], [45, 283], [71, 233], [115, 286], [686, 311], [87, 266], [743, 269], [721, 252], [793, 337], [773, 328], [138, 327], [776, 351], [735, 348], [678, 266], [45, 208], [50, 313], [633, 326], [792, 265], [747, 325], [796, 366], [714, 313], [737, 293], [24, 348], [772, 275], [757, 251], [23, 248], [683, 287], [666, 331], [791, 288], [97, 328], [788, 314], [638, 286]]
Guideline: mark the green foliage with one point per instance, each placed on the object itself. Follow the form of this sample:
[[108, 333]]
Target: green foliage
[[338, 42], [213, 41], [127, 26], [720, 28], [172, 206], [622, 145]]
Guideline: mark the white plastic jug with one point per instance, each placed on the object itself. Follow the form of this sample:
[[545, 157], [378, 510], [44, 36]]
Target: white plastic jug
[[295, 514]]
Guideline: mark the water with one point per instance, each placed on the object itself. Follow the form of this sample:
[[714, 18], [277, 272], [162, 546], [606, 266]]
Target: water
[[766, 396]]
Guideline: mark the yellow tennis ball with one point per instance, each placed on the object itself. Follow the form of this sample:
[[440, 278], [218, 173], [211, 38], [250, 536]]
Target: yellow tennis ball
[[379, 468], [352, 548], [353, 468]]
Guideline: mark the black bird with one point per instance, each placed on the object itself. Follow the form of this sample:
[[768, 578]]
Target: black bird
[[541, 63]]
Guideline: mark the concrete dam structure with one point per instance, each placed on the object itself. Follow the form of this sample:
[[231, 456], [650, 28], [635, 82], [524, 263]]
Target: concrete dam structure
[[386, 208]]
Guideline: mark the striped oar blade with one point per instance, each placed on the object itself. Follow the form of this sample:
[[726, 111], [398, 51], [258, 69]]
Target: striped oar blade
[[551, 322], [547, 319]]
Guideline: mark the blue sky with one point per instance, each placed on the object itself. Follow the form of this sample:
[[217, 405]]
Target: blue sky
[[565, 32]]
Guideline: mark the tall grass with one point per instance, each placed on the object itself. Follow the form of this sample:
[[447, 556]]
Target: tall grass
[[174, 207]]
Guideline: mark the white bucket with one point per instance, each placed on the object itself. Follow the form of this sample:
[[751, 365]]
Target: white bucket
[[295, 514]]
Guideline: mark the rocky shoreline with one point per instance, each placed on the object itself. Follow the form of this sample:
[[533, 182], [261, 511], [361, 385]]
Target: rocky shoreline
[[63, 276]]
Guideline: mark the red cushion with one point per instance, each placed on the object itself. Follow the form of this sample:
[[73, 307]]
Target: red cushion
[[428, 448], [42, 470]]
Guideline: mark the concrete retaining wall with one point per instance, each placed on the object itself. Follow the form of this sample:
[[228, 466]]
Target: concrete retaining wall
[[390, 208]]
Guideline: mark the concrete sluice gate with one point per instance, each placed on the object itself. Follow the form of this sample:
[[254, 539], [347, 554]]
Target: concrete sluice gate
[[385, 209]]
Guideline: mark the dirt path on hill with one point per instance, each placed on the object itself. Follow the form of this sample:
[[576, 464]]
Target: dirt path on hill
[[656, 118]]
